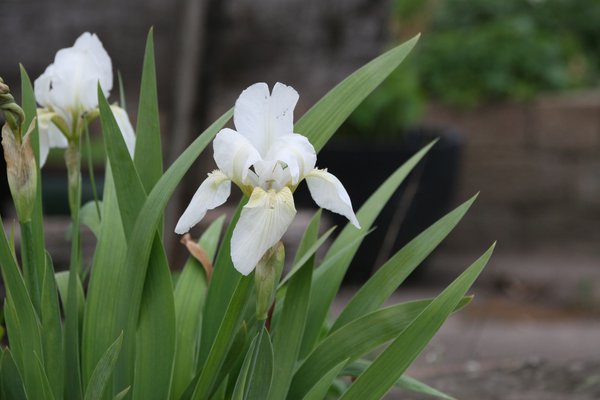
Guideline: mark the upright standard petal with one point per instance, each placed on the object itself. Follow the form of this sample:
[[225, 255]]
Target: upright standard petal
[[69, 84], [125, 127], [262, 117], [42, 86], [262, 223], [90, 44], [329, 193], [234, 155], [73, 82], [213, 192], [296, 152]]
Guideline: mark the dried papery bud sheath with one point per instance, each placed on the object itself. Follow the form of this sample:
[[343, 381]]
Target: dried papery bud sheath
[[21, 170], [266, 275], [73, 162]]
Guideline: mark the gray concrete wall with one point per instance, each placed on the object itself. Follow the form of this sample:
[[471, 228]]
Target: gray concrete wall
[[537, 166]]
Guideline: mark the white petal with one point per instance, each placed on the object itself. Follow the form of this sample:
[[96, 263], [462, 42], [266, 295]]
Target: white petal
[[74, 82], [234, 155], [213, 192], [262, 117], [271, 175], [125, 127], [92, 46], [329, 193], [41, 86], [296, 152], [70, 83], [50, 135], [262, 223]]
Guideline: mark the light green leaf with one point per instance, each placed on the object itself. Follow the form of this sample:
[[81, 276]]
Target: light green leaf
[[122, 99], [223, 283], [146, 225], [105, 284], [13, 330], [290, 322], [405, 382], [328, 277], [324, 118], [148, 156], [320, 389], [306, 256], [190, 293], [355, 339], [389, 366], [386, 280], [121, 395], [37, 223], [12, 384], [242, 376], [230, 323], [25, 317], [45, 388], [129, 189], [88, 216], [254, 380], [62, 283], [52, 338], [155, 338], [101, 375], [155, 341]]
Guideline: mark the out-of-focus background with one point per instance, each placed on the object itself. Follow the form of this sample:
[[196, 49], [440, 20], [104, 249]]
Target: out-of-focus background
[[510, 87]]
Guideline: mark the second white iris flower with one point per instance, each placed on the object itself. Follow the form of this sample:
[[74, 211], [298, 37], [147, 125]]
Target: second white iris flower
[[267, 161]]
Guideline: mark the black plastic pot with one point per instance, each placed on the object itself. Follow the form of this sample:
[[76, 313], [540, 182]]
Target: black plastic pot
[[424, 197], [55, 190]]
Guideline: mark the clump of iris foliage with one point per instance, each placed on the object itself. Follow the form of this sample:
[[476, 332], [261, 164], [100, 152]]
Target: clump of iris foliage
[[134, 334]]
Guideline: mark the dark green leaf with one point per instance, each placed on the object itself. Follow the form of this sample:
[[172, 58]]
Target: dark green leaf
[[389, 366], [387, 278], [101, 375], [324, 118], [329, 276], [148, 156], [354, 340]]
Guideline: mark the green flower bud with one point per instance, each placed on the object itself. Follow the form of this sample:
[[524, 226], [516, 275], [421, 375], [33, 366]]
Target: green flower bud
[[21, 170], [12, 112], [266, 276]]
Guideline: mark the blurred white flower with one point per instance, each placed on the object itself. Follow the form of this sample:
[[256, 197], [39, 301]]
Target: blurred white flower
[[267, 160], [67, 91]]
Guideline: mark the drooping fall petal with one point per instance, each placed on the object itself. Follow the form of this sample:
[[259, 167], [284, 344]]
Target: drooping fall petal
[[329, 193], [50, 135], [263, 221], [213, 192]]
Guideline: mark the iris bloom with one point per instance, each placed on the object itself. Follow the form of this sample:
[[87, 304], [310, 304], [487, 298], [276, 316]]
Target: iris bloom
[[67, 92], [267, 161]]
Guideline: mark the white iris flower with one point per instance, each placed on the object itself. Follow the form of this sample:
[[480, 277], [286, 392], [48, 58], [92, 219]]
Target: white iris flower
[[267, 161], [67, 91]]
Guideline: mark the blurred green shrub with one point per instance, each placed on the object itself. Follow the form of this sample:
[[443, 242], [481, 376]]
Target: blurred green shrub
[[487, 50], [480, 51], [392, 107]]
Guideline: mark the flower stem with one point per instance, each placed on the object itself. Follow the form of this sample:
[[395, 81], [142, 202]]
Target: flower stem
[[88, 151], [72, 351], [73, 162]]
